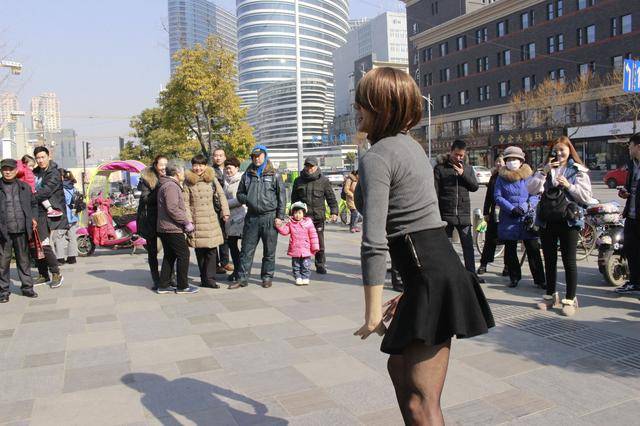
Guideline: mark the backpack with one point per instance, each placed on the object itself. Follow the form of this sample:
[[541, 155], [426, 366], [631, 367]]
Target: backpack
[[555, 205]]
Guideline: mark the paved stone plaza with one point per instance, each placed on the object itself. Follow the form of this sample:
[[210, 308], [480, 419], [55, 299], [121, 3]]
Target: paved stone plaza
[[104, 349]]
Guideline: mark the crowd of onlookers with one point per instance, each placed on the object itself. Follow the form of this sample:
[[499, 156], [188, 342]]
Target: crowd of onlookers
[[39, 210]]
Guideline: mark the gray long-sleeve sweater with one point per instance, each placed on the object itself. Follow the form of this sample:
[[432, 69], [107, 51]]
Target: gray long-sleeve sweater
[[396, 196]]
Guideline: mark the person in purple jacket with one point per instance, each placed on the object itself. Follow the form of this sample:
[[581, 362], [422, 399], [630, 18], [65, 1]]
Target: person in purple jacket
[[516, 206]]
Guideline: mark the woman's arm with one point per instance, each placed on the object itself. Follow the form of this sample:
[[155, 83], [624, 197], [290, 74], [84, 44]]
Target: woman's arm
[[500, 200], [535, 185], [581, 190]]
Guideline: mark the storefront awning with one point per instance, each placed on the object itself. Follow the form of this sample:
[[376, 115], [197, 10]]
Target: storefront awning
[[601, 130]]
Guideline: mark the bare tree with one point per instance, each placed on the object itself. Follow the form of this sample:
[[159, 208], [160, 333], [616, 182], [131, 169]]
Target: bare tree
[[624, 105], [553, 103]]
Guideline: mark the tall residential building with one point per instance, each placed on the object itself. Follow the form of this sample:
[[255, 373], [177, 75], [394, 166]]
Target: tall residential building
[[45, 112], [473, 64], [64, 148], [192, 21], [8, 104], [267, 56], [384, 37]]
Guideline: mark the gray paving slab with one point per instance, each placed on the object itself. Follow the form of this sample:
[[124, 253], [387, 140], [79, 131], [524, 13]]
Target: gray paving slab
[[99, 351]]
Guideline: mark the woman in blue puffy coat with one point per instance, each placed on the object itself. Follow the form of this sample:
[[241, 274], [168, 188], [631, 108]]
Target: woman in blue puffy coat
[[516, 210]]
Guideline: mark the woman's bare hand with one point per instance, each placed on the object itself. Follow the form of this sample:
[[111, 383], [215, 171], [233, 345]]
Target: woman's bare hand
[[391, 306]]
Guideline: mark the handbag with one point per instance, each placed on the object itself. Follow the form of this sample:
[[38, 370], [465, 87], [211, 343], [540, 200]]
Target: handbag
[[35, 244]]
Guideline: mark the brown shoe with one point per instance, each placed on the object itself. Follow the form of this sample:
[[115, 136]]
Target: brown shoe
[[266, 284], [228, 267], [221, 270], [234, 286]]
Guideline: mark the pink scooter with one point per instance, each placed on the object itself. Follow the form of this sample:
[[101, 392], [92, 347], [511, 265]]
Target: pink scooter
[[105, 231]]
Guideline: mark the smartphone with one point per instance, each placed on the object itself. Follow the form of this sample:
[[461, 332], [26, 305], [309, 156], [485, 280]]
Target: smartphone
[[622, 188], [554, 156]]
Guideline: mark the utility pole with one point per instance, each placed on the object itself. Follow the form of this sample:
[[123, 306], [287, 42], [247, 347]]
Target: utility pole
[[428, 128], [85, 152]]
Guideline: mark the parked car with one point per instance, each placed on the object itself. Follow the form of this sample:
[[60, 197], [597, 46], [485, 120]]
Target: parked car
[[483, 174], [617, 177]]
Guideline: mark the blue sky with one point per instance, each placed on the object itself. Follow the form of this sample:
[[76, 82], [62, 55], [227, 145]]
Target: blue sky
[[104, 58]]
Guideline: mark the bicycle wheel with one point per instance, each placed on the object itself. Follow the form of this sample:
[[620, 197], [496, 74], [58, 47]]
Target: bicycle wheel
[[586, 241], [479, 238]]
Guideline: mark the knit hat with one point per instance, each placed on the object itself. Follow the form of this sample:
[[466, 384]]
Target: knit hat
[[298, 205], [513, 152]]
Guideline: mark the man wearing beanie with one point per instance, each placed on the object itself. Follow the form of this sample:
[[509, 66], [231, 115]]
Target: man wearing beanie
[[18, 213], [262, 190]]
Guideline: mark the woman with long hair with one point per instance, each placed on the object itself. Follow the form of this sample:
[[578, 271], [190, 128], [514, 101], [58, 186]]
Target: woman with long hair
[[565, 186], [147, 215], [399, 205]]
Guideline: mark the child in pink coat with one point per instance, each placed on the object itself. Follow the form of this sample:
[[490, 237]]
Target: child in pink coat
[[303, 243]]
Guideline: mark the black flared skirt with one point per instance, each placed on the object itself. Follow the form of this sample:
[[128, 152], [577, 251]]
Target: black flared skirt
[[441, 298]]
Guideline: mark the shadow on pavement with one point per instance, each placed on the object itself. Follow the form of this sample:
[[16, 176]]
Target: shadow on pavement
[[198, 401]]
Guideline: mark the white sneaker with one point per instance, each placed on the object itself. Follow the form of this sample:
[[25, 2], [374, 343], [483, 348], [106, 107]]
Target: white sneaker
[[305, 281], [299, 281]]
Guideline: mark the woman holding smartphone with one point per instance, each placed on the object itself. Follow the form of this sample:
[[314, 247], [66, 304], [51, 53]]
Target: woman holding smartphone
[[399, 205], [564, 174]]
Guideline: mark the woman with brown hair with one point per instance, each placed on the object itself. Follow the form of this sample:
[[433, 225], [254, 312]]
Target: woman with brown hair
[[565, 186], [398, 201]]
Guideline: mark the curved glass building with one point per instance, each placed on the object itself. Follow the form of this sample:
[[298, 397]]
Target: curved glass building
[[267, 57]]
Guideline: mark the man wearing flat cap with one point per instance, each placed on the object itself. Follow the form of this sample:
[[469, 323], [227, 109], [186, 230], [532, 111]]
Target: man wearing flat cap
[[18, 213], [314, 189]]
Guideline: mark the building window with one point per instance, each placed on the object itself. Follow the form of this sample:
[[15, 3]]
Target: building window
[[444, 49], [434, 8], [555, 43], [429, 53], [427, 79], [586, 35], [617, 61], [463, 96], [505, 88], [445, 101], [504, 58], [414, 28], [559, 8], [484, 93], [528, 51], [461, 42], [528, 83], [463, 69], [550, 11], [482, 64], [614, 27], [587, 69], [502, 28], [482, 35], [445, 75], [583, 4], [527, 20], [591, 34], [562, 75], [626, 24]]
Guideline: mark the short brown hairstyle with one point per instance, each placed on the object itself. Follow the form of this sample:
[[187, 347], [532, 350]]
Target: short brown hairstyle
[[232, 161], [393, 98]]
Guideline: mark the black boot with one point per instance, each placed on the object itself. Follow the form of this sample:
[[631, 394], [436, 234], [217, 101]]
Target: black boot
[[482, 269]]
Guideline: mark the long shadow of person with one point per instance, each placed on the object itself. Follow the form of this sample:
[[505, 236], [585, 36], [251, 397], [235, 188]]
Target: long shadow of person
[[197, 401]]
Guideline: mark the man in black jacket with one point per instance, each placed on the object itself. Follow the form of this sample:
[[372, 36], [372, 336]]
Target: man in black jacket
[[18, 212], [313, 189], [262, 190], [49, 188], [632, 218], [454, 180], [224, 266]]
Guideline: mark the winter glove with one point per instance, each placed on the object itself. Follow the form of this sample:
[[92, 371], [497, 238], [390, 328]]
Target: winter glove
[[517, 212], [189, 228]]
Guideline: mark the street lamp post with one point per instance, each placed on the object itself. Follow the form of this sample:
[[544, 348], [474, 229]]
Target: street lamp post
[[298, 89], [428, 128]]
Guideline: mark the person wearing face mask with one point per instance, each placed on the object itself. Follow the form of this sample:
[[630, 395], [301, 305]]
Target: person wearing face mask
[[515, 202], [563, 175], [491, 217]]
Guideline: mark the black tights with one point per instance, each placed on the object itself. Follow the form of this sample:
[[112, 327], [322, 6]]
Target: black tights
[[568, 238]]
